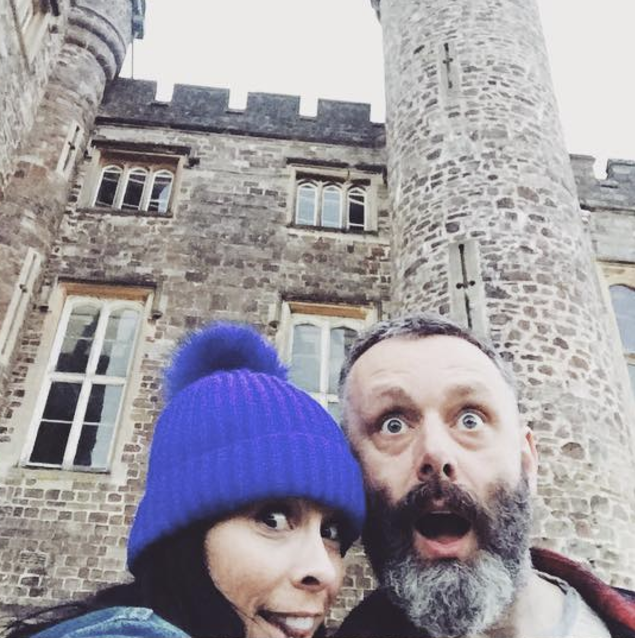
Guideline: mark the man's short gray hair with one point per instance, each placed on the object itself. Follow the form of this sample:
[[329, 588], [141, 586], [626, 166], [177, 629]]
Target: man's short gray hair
[[417, 326]]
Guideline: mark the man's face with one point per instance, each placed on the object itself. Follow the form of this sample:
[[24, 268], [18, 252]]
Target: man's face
[[449, 470]]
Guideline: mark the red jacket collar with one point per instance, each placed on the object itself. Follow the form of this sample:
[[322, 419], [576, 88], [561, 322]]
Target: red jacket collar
[[607, 603]]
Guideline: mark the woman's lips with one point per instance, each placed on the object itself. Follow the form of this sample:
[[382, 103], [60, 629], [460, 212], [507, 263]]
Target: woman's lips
[[296, 625]]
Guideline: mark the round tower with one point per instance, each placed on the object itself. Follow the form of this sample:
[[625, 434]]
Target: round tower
[[487, 227], [96, 35]]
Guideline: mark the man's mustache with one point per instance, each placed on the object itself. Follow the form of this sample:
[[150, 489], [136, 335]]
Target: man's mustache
[[434, 491]]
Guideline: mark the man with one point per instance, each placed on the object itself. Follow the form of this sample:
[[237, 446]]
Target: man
[[431, 412]]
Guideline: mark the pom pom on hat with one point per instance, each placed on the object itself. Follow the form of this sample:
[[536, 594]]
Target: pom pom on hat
[[235, 431], [218, 347]]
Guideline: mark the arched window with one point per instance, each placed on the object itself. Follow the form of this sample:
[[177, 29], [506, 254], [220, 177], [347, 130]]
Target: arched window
[[356, 209], [160, 191], [107, 189], [135, 184], [306, 205], [332, 202], [331, 206]]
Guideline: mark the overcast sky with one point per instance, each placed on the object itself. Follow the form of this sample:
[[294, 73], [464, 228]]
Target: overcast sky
[[332, 49]]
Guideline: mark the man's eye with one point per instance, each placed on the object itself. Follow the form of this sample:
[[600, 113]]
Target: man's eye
[[393, 425], [275, 519], [470, 421]]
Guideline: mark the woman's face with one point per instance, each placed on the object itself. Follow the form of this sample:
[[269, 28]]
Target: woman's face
[[280, 564]]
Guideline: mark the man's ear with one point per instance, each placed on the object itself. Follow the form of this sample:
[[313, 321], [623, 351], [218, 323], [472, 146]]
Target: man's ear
[[529, 458]]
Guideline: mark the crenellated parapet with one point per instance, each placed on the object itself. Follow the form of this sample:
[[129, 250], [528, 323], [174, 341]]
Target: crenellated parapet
[[616, 192], [268, 115]]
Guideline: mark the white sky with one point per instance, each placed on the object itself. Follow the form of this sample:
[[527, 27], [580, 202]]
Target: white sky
[[332, 49]]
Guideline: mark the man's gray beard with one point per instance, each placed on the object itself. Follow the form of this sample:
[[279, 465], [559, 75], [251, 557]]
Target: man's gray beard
[[449, 597]]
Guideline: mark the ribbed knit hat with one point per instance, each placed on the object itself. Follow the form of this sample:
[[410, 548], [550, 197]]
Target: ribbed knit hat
[[235, 431]]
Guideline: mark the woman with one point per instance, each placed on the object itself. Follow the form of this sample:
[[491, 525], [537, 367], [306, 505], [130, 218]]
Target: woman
[[252, 498]]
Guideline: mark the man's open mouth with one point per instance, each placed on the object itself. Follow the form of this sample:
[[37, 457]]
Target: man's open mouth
[[443, 527]]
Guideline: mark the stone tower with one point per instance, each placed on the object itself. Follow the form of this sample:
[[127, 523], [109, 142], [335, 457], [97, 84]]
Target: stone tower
[[90, 39], [487, 227]]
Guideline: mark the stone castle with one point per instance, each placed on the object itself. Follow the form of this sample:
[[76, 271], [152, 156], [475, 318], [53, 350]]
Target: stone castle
[[127, 221]]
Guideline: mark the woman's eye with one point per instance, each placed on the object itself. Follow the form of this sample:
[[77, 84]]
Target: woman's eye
[[275, 519], [331, 531], [393, 425], [470, 421]]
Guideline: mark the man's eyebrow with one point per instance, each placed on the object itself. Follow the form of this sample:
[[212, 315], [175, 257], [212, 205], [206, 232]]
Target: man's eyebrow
[[393, 392], [463, 390]]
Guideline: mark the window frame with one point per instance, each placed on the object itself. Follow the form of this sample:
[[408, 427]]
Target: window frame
[[104, 300], [327, 317], [619, 274], [156, 161], [350, 182], [127, 170]]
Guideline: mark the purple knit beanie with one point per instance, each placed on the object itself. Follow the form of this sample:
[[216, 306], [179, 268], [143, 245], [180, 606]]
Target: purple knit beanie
[[234, 431]]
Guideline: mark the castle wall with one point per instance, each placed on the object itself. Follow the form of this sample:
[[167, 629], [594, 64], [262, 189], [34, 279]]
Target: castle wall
[[609, 205], [88, 54], [24, 73], [228, 250]]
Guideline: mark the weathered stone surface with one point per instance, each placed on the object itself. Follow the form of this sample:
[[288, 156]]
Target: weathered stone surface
[[227, 251], [474, 138], [266, 115]]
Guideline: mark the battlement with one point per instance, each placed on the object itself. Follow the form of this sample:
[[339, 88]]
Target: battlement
[[615, 192], [266, 114]]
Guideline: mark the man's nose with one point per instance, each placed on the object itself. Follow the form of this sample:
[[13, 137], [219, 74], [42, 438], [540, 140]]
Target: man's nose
[[435, 451], [316, 568]]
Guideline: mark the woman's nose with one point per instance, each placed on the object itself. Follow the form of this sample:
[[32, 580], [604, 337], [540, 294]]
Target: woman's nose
[[318, 566]]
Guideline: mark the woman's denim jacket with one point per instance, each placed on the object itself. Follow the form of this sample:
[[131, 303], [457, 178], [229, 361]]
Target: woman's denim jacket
[[114, 622]]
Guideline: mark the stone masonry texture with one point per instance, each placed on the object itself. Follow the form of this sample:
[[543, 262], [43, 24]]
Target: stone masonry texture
[[89, 53], [475, 151], [472, 150]]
